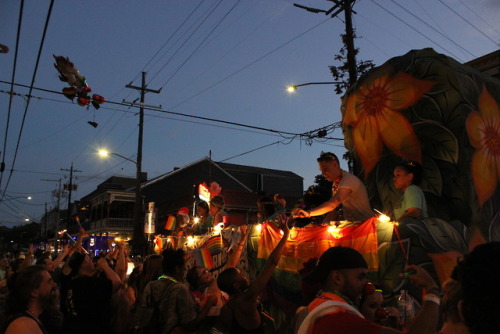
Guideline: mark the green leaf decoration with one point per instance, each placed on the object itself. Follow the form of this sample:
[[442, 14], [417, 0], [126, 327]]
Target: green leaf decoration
[[437, 141], [432, 181]]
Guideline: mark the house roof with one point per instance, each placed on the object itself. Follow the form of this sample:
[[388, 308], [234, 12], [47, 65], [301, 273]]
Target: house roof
[[227, 168]]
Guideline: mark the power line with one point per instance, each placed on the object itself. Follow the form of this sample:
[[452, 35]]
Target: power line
[[184, 115], [473, 26], [30, 90], [202, 42], [250, 64], [434, 29], [9, 111], [185, 41], [416, 30], [479, 16], [255, 149], [169, 39]]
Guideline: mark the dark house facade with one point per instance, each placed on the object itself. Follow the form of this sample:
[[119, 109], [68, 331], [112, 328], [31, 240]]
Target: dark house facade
[[241, 187]]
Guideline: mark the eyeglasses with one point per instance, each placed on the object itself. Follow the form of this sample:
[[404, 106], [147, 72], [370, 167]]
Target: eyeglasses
[[203, 273]]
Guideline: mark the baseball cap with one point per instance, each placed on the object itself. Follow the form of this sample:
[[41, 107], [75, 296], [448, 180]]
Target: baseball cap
[[335, 258]]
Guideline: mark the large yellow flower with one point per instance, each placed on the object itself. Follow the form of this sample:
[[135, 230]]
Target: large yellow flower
[[373, 113], [483, 128]]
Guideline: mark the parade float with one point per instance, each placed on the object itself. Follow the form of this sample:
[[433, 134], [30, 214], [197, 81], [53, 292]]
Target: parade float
[[422, 106]]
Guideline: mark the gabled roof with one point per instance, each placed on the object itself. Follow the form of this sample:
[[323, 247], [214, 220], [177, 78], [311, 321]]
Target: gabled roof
[[227, 168], [257, 170]]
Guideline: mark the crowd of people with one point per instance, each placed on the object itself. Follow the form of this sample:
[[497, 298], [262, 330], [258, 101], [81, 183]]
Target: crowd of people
[[76, 293]]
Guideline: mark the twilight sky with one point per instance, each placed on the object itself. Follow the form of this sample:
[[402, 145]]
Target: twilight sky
[[223, 60]]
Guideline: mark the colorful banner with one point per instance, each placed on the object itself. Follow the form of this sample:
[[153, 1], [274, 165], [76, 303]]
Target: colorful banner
[[215, 244], [310, 242], [203, 258]]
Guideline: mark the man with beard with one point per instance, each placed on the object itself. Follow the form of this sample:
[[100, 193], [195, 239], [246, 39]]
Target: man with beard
[[31, 292], [342, 272]]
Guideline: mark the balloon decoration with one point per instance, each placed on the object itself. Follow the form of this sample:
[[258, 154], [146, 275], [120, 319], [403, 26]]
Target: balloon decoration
[[79, 88]]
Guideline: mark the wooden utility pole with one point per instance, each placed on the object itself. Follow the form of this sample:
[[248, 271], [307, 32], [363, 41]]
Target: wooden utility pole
[[70, 187], [348, 40], [139, 242], [349, 43]]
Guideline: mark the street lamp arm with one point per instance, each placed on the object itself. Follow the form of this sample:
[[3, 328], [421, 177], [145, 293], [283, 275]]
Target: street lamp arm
[[320, 83], [293, 88], [104, 153], [125, 158]]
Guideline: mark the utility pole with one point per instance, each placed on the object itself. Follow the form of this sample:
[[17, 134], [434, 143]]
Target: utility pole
[[348, 40], [70, 187], [349, 43], [56, 193], [139, 242]]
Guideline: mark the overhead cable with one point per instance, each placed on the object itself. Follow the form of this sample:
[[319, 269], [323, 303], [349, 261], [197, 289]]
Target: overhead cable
[[417, 31], [9, 110], [472, 25]]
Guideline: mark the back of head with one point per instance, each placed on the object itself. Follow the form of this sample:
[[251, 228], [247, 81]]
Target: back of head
[[327, 156], [266, 206], [75, 262], [217, 201], [226, 280], [203, 205], [173, 260], [152, 267], [479, 274], [335, 258], [20, 286]]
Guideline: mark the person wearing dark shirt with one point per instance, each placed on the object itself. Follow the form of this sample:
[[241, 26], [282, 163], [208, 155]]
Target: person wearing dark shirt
[[86, 296]]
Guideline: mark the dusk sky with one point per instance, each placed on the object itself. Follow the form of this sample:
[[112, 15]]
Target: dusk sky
[[223, 60]]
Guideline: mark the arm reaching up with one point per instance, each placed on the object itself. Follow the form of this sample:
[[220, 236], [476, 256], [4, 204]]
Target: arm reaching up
[[234, 257]]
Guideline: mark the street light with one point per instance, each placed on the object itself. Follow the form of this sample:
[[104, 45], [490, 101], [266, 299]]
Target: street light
[[139, 240], [293, 88], [8, 198]]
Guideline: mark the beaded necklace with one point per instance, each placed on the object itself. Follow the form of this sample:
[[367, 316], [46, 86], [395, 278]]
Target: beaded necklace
[[336, 183], [168, 277]]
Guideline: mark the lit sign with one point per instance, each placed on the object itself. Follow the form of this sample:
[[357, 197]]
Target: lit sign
[[203, 192]]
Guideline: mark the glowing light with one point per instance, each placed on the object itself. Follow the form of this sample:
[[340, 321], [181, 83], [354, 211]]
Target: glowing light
[[291, 89], [335, 231], [103, 153], [190, 240], [196, 220], [383, 218], [258, 227]]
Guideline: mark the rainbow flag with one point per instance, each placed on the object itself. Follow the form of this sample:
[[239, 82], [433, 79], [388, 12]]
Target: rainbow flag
[[203, 258], [170, 224], [310, 242], [158, 248], [307, 243], [215, 244]]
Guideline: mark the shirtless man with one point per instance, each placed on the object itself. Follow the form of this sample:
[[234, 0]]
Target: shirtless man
[[347, 190]]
